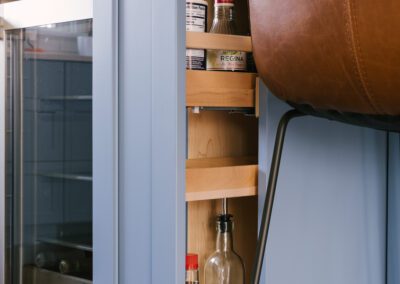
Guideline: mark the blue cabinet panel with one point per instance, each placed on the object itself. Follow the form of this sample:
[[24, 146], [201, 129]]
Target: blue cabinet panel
[[329, 220], [394, 210], [135, 174], [151, 142]]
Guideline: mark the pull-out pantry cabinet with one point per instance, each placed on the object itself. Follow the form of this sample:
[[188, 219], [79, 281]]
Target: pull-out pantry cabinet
[[222, 147]]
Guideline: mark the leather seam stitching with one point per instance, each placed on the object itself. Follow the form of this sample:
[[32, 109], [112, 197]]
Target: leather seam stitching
[[357, 56]]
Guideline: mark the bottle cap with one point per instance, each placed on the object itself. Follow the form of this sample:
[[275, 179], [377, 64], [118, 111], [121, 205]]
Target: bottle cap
[[192, 261], [224, 223]]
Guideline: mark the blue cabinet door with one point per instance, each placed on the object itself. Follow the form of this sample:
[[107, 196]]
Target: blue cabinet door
[[151, 141]]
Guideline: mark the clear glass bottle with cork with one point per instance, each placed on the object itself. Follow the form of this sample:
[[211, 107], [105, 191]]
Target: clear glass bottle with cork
[[224, 266]]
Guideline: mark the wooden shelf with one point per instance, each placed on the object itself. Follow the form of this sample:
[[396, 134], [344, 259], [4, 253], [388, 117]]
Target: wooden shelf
[[220, 89], [199, 40], [217, 178]]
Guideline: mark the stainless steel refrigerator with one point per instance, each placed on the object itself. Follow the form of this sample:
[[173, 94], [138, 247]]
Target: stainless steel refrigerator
[[48, 177]]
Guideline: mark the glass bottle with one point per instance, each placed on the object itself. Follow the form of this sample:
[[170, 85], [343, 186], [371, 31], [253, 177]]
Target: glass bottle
[[224, 23], [224, 266], [192, 269]]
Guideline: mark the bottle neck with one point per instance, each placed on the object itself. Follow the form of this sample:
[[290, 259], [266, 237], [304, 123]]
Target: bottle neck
[[224, 241], [224, 12]]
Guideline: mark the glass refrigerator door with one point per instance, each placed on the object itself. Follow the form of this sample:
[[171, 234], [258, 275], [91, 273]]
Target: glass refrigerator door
[[49, 153]]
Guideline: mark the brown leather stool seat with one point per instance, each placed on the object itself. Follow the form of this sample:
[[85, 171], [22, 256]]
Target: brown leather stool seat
[[335, 59]]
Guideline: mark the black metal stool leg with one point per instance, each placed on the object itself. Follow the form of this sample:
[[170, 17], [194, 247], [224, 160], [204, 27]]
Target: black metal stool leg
[[269, 199]]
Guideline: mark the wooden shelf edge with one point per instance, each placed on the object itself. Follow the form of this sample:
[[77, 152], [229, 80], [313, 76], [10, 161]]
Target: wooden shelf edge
[[221, 98], [225, 74], [221, 193], [220, 89], [221, 178], [198, 40], [221, 162]]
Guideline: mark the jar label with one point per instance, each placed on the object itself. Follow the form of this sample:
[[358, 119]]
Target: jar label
[[196, 17], [226, 60], [196, 21], [195, 59]]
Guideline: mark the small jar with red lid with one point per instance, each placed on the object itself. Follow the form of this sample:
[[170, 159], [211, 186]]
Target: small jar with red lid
[[192, 269]]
